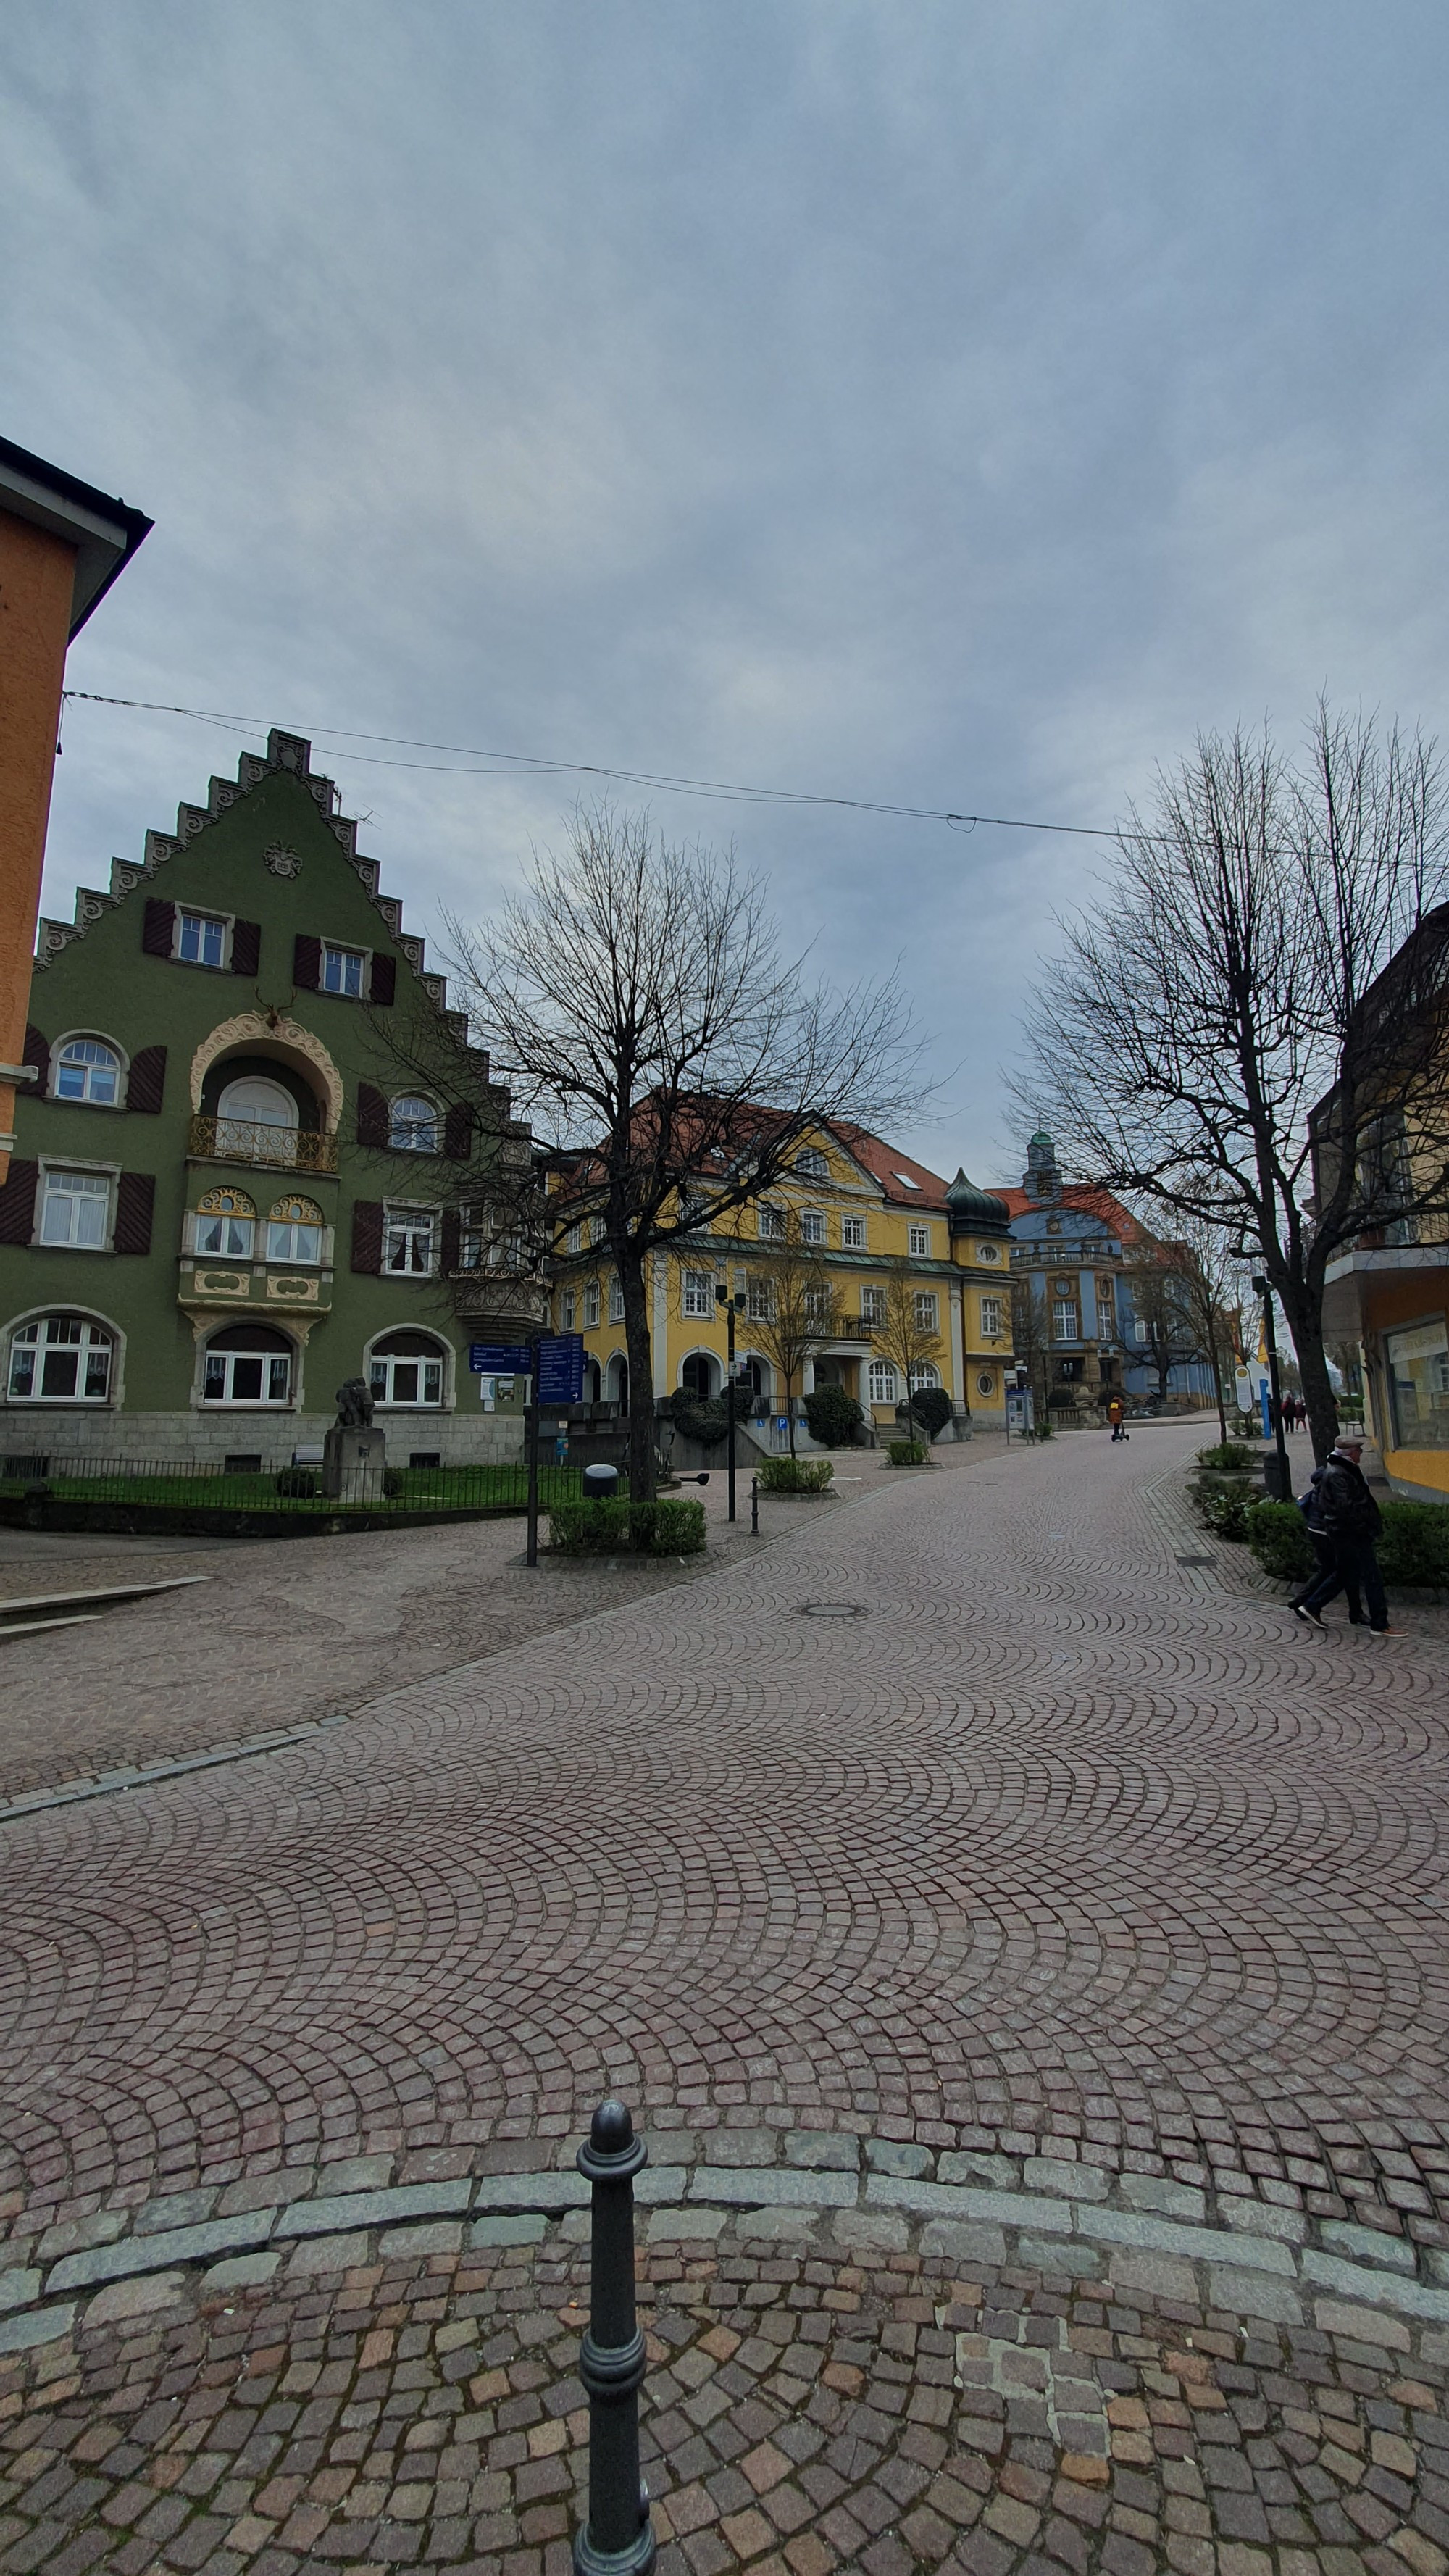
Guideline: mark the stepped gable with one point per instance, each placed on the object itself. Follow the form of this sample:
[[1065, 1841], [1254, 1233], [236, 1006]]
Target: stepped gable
[[285, 751]]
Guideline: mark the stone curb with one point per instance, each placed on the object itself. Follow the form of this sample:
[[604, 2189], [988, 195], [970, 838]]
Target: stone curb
[[844, 2195]]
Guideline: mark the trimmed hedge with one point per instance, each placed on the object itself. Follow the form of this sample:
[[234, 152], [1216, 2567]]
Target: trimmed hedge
[[1278, 1537], [907, 1453], [794, 1475], [834, 1417], [707, 1423], [1414, 1546], [665, 1527], [931, 1406]]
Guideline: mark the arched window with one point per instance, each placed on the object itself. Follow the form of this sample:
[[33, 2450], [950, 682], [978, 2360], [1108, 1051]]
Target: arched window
[[226, 1225], [248, 1364], [257, 1118], [61, 1359], [753, 1375], [413, 1126], [699, 1376], [294, 1231], [88, 1069], [616, 1379], [882, 1382], [406, 1367], [923, 1374]]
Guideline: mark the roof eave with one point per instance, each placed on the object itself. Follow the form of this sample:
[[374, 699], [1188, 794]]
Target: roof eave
[[105, 532]]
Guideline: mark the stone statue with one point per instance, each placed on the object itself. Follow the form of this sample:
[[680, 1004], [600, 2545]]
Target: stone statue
[[354, 1405]]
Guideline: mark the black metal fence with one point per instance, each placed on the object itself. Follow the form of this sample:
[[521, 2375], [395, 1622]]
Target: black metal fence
[[240, 1483]]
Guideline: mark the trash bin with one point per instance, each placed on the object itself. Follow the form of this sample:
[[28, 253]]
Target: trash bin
[[601, 1484]]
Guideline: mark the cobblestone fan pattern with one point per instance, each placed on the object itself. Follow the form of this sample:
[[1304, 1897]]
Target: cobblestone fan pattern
[[1044, 1854], [302, 1628], [892, 2412]]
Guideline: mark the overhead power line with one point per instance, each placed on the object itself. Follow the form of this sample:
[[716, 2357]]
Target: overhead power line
[[517, 764]]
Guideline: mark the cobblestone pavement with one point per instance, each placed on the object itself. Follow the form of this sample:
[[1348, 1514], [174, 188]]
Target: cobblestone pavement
[[301, 1629], [415, 2405]]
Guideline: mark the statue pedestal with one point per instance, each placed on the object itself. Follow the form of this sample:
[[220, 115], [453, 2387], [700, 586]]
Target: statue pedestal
[[352, 1465]]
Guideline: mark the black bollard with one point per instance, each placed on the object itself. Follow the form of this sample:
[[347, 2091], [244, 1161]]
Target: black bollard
[[618, 2538], [755, 1505]]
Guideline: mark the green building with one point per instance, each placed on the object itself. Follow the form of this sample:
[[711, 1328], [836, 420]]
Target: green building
[[257, 1157]]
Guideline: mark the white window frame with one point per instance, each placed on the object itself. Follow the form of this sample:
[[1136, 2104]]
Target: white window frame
[[928, 1311], [591, 1305], [295, 1225], [568, 1307], [884, 1382], [812, 1164], [760, 1301], [87, 1037], [62, 1167], [400, 1221], [993, 1317], [1066, 1320], [343, 948], [244, 1227], [852, 1233], [696, 1293], [771, 1221], [268, 1403], [399, 1137], [93, 1324], [918, 1242], [925, 1373], [812, 1226], [616, 1299], [223, 921], [441, 1357]]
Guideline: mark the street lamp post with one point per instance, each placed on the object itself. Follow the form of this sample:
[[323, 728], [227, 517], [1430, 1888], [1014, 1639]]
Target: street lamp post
[[732, 1306], [1270, 1340]]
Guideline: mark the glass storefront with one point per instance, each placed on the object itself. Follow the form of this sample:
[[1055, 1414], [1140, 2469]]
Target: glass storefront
[[1418, 1369]]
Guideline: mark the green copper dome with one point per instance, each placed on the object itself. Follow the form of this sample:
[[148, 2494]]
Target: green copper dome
[[972, 1207]]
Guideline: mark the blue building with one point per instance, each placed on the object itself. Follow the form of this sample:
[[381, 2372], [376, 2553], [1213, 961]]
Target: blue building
[[1082, 1254]]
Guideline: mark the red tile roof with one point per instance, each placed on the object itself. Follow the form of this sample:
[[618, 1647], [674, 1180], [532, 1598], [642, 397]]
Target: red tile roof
[[885, 1163]]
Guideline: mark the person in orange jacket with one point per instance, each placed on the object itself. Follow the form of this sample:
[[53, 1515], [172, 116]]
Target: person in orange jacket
[[1116, 1415]]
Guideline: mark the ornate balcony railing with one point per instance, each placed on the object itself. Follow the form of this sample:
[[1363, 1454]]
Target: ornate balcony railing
[[249, 1140]]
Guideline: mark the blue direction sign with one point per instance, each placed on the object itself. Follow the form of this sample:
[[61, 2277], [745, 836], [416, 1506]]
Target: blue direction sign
[[561, 1369], [500, 1359]]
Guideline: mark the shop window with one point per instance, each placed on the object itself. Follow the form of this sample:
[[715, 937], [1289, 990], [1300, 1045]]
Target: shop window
[[1418, 1367]]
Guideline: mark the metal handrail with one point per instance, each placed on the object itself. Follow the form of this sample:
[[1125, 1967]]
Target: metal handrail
[[251, 1140]]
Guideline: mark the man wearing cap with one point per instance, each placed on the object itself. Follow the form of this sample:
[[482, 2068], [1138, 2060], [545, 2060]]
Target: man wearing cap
[[1350, 1520]]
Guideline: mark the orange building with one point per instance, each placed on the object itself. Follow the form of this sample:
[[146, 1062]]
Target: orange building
[[61, 547]]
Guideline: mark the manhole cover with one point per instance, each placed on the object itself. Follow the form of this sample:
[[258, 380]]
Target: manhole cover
[[832, 1609], [1194, 1560]]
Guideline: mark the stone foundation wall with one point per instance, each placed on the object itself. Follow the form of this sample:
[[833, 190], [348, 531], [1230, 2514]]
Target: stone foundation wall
[[459, 1440]]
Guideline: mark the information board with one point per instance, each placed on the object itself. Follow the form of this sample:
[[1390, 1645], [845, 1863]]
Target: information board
[[500, 1359], [561, 1369]]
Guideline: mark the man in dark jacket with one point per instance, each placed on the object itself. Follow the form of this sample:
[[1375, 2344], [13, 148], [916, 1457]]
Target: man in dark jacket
[[1350, 1521]]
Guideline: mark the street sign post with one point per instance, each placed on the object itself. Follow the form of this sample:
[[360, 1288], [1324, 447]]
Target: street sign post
[[500, 1359], [554, 1363]]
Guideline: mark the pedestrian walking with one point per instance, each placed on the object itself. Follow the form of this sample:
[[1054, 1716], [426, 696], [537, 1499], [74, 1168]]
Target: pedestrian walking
[[1117, 1416], [1351, 1521]]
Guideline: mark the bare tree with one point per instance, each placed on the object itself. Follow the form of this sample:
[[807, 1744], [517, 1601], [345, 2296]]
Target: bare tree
[[1247, 1026], [1161, 1299], [793, 1302], [1030, 1345], [1210, 1287], [904, 1333], [635, 999]]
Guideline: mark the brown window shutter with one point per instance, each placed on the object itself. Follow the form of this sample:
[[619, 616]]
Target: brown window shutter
[[367, 1235], [372, 1118], [452, 1242], [135, 1203], [158, 928], [382, 982], [246, 947], [458, 1131], [17, 1202], [37, 1054], [147, 1084], [306, 962]]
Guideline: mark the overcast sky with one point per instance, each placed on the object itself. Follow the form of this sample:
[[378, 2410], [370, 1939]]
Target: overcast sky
[[949, 404]]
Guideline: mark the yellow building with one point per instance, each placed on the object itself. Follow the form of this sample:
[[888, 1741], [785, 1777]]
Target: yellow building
[[872, 1213]]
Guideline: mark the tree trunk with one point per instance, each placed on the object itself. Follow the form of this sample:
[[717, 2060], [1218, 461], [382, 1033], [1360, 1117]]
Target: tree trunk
[[1306, 1327], [789, 1377], [630, 1267], [1215, 1363]]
